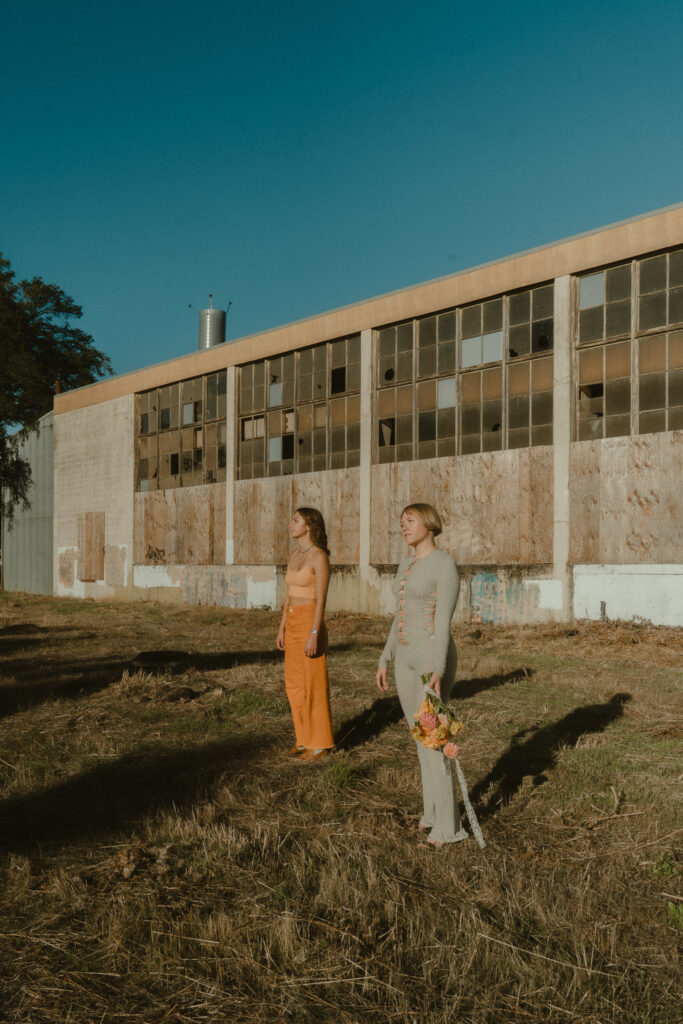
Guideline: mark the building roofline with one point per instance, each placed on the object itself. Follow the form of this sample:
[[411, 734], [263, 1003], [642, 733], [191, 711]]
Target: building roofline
[[302, 332]]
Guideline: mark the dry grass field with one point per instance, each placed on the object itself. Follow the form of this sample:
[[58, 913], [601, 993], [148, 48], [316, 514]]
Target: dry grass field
[[161, 861]]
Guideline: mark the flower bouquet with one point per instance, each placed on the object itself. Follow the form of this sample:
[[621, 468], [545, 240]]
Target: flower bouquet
[[435, 727], [435, 724]]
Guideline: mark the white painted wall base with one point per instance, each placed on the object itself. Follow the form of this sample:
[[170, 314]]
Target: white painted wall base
[[650, 592]]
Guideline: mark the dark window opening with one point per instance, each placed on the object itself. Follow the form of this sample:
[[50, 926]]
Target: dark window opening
[[175, 462], [390, 374], [287, 446], [338, 380], [542, 336], [144, 423], [387, 432], [165, 419], [591, 390]]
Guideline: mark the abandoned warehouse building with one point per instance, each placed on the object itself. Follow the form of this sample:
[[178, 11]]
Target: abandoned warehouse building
[[536, 401]]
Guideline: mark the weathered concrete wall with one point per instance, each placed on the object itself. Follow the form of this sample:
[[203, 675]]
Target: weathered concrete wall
[[497, 507], [27, 546], [94, 479], [182, 526], [627, 500], [264, 507], [227, 586], [650, 593]]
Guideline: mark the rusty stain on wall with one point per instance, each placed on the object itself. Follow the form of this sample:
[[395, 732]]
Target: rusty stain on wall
[[497, 507], [183, 526]]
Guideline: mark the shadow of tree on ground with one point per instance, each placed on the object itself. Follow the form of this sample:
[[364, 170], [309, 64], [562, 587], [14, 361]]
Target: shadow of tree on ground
[[118, 795], [533, 751]]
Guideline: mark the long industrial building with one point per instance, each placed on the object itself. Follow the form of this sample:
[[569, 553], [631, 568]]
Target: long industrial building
[[536, 401]]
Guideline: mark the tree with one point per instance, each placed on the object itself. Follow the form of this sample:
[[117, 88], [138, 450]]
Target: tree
[[38, 346]]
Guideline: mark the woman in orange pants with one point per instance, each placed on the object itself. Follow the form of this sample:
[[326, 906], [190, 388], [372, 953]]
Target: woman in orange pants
[[303, 637]]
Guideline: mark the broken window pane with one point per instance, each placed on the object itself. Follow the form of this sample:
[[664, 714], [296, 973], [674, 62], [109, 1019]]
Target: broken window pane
[[387, 429], [541, 335], [338, 380]]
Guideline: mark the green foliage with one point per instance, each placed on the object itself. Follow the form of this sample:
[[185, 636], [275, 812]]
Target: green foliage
[[39, 346], [666, 866], [245, 701], [674, 912], [343, 772]]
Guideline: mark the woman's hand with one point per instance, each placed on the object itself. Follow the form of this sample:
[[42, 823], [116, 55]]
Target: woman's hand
[[280, 642], [435, 684], [311, 648], [381, 679]]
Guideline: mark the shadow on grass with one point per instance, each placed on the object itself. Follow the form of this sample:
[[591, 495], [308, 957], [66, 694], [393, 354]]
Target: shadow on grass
[[55, 680], [533, 751], [466, 688], [368, 724], [36, 680], [118, 795]]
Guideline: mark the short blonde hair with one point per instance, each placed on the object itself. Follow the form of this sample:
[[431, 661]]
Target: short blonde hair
[[431, 520]]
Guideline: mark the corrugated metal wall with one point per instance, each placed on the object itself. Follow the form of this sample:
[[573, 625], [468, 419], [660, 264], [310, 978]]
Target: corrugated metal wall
[[27, 547]]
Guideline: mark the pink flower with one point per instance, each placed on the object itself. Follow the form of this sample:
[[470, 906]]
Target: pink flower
[[451, 750], [428, 721]]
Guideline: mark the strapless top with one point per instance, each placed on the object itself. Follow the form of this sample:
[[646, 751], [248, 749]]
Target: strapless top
[[301, 582]]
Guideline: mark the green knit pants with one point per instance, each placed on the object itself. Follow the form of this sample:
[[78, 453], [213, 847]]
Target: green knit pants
[[440, 814]]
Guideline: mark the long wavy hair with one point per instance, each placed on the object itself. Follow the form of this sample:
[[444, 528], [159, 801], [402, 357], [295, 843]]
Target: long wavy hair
[[316, 524]]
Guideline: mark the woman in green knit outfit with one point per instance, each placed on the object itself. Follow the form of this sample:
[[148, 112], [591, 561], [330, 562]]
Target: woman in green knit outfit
[[426, 590]]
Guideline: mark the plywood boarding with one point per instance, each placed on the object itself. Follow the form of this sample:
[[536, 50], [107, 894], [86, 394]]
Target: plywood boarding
[[264, 507], [625, 503], [91, 546], [185, 526], [497, 507]]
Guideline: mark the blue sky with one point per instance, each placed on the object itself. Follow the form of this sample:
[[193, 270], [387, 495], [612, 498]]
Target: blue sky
[[292, 158]]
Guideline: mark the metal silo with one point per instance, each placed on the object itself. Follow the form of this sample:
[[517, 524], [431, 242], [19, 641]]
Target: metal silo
[[211, 326]]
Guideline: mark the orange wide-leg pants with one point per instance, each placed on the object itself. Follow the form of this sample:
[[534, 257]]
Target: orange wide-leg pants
[[306, 682]]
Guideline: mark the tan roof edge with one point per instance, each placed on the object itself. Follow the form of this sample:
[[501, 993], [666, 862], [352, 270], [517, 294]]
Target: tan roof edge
[[622, 240]]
